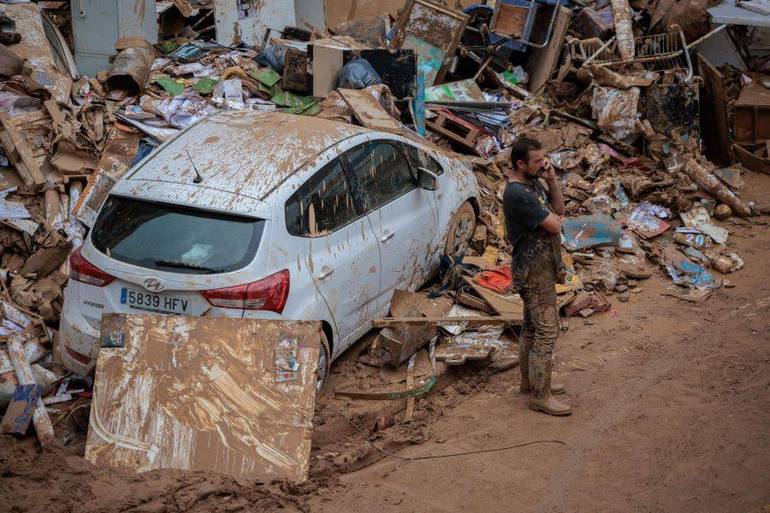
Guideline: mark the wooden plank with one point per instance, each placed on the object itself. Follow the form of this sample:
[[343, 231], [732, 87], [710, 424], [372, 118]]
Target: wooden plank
[[19, 413], [713, 114], [369, 111], [384, 322], [409, 412], [395, 344], [470, 301], [387, 395], [751, 161], [234, 396], [20, 154], [499, 304], [24, 375], [543, 61]]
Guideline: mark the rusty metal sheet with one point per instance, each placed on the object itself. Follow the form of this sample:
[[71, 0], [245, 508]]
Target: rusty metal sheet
[[205, 393]]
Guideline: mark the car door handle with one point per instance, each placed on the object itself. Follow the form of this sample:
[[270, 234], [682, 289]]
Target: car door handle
[[325, 273], [387, 236]]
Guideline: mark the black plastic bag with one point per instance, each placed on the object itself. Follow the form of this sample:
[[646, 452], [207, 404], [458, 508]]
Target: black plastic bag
[[357, 74], [274, 56]]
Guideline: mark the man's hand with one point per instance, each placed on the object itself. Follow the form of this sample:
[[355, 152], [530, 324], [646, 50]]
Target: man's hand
[[554, 188], [549, 173]]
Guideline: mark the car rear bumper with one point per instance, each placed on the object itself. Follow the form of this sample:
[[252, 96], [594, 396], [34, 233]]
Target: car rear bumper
[[78, 342]]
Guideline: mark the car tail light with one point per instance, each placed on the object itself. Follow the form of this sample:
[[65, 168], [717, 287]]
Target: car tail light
[[85, 360], [86, 272], [266, 294]]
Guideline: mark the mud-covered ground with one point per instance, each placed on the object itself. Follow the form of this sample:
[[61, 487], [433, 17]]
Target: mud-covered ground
[[671, 414]]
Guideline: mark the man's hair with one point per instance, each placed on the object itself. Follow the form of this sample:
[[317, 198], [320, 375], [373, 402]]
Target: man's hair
[[521, 148]]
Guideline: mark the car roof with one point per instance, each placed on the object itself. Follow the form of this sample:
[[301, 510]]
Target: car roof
[[243, 152]]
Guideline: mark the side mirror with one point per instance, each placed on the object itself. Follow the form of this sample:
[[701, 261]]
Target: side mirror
[[427, 179]]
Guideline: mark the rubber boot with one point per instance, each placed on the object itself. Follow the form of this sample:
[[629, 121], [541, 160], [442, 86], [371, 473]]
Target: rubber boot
[[540, 378], [524, 386]]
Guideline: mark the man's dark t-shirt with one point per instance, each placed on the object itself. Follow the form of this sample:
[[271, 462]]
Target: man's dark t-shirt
[[525, 206]]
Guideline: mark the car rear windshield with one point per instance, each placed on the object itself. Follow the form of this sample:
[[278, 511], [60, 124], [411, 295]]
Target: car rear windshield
[[173, 238]]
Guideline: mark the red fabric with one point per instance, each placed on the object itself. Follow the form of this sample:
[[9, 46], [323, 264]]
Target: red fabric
[[499, 279]]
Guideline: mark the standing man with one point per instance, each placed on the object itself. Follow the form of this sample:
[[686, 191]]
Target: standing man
[[534, 231]]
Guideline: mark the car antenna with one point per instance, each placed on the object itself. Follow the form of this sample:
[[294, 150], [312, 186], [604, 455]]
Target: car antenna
[[198, 178]]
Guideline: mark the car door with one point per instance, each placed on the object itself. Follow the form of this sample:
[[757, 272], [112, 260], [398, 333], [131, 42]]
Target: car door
[[343, 256], [418, 158], [402, 215]]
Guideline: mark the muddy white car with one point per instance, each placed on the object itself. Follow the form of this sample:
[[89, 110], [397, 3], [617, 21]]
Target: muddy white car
[[269, 215]]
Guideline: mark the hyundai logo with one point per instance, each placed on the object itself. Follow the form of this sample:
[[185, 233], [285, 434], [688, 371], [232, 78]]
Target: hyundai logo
[[153, 284]]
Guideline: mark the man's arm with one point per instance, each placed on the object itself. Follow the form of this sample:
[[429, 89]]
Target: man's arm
[[554, 189], [552, 223]]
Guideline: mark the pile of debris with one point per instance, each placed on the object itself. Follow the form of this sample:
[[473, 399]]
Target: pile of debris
[[611, 92]]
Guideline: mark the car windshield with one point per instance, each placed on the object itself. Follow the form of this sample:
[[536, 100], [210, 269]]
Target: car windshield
[[173, 238]]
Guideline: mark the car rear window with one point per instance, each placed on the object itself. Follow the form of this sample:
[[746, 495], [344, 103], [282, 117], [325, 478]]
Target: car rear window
[[173, 238]]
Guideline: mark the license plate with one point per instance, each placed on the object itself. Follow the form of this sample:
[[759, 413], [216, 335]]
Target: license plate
[[148, 301]]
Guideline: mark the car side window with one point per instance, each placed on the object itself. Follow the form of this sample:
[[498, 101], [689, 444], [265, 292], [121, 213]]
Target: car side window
[[419, 158], [381, 173], [322, 205]]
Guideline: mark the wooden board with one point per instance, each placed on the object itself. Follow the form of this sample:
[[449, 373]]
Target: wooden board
[[19, 413], [384, 322], [713, 114], [751, 160], [543, 61], [752, 115], [205, 393], [499, 304], [369, 111], [25, 376], [371, 114]]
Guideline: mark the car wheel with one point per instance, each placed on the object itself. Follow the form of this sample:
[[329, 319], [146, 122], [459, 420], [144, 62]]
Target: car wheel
[[324, 363], [461, 229]]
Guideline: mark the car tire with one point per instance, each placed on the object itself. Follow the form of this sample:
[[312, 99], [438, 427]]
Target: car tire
[[324, 364], [461, 230]]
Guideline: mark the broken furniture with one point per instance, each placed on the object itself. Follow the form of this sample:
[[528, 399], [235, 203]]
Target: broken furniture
[[752, 115], [656, 52], [433, 32], [455, 129], [205, 393], [396, 68]]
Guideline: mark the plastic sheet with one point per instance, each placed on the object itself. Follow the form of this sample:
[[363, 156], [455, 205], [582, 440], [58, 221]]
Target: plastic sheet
[[590, 231]]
